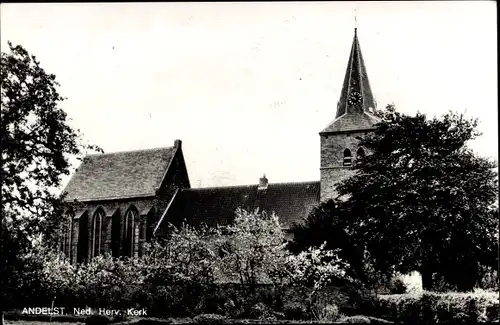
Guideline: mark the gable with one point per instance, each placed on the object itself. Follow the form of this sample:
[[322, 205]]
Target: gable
[[120, 175]]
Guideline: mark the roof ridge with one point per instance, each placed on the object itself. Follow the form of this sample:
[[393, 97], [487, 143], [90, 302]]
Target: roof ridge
[[129, 151], [248, 185], [214, 187]]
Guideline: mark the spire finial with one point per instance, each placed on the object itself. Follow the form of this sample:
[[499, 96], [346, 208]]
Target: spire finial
[[355, 21]]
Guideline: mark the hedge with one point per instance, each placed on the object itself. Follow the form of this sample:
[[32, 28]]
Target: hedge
[[431, 307]]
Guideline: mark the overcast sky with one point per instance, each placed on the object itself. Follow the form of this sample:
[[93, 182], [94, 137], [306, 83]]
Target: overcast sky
[[248, 86]]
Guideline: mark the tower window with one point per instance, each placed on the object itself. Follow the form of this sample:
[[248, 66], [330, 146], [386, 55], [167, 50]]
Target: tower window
[[347, 157], [360, 157], [97, 232]]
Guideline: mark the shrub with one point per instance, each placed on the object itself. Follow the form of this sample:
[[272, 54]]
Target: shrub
[[397, 286], [295, 311], [330, 313], [441, 308], [179, 279], [209, 319], [261, 311], [489, 281]]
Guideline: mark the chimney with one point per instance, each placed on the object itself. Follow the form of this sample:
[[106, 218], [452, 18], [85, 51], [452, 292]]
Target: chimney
[[263, 183], [177, 143]]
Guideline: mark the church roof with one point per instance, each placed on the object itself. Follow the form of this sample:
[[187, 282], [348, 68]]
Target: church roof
[[352, 122], [354, 115], [217, 205], [120, 175]]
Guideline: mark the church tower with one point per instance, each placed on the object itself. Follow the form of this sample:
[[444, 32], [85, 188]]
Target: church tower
[[340, 152]]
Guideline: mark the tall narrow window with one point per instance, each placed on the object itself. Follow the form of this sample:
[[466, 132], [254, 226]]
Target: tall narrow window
[[83, 239], [97, 223], [129, 232], [67, 236], [347, 157], [360, 157]]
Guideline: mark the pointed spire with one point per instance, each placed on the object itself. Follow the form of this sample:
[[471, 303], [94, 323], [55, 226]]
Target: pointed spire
[[356, 96]]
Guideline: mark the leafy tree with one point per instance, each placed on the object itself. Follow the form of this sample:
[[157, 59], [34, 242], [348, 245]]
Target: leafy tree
[[37, 144], [188, 255], [423, 200], [328, 223], [252, 247], [254, 252]]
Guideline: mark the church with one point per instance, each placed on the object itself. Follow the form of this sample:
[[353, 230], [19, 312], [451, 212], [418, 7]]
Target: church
[[122, 200]]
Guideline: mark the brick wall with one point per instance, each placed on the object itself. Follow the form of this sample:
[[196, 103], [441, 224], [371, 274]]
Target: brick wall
[[332, 159]]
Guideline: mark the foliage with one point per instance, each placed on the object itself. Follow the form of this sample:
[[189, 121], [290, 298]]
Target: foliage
[[209, 319], [329, 223], [37, 144], [254, 250], [180, 268], [397, 286], [440, 308], [421, 201], [330, 313], [181, 277], [188, 256], [295, 310], [490, 280]]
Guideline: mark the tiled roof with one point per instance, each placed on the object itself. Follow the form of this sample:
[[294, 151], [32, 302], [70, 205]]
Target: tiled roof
[[352, 117], [217, 205], [352, 122], [120, 175]]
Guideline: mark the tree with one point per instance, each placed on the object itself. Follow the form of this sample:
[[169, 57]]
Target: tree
[[423, 200], [254, 252], [253, 247], [329, 223], [37, 144]]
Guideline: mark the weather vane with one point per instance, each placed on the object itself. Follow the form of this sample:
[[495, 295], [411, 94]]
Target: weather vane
[[355, 19]]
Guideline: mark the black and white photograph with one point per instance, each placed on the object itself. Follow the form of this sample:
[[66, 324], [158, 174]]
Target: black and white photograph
[[274, 162]]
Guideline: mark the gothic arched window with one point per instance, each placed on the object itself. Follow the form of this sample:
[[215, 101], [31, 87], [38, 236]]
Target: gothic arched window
[[130, 226], [97, 223], [360, 157], [347, 157], [67, 236]]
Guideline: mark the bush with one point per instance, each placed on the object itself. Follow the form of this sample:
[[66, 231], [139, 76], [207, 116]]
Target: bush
[[440, 308], [261, 311], [295, 311], [489, 281], [397, 286], [179, 279], [209, 319], [330, 313]]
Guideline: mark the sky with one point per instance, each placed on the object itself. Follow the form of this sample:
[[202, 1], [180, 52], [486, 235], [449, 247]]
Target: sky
[[246, 86]]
